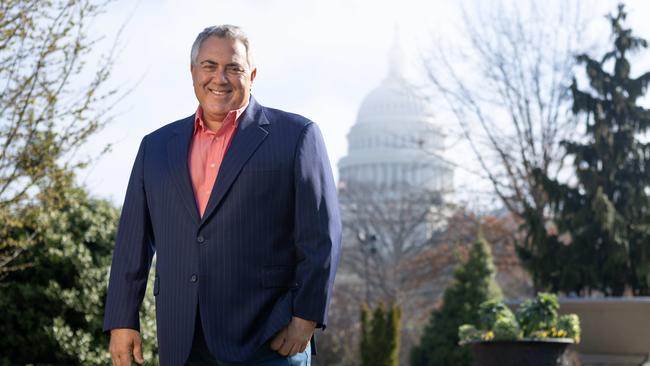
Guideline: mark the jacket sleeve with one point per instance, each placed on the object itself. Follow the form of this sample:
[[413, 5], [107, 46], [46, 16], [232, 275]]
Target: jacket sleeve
[[134, 250], [317, 227]]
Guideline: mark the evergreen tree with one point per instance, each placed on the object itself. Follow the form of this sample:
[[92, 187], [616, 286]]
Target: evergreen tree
[[366, 344], [52, 309], [378, 332], [601, 230], [380, 336], [474, 282], [393, 321]]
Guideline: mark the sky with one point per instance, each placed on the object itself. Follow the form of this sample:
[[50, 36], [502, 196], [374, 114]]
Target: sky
[[315, 58]]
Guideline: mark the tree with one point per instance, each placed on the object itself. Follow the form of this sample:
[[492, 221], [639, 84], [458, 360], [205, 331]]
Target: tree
[[380, 336], [600, 236], [52, 311], [401, 248], [387, 229], [454, 243], [429, 273], [474, 283], [508, 92], [339, 345], [50, 103]]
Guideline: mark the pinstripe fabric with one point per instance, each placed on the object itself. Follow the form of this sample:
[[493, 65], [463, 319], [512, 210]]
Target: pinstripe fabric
[[266, 248]]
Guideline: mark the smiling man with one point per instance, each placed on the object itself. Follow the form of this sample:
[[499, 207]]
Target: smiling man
[[238, 202]]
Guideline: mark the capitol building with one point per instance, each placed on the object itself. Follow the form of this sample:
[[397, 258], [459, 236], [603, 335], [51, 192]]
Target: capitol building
[[394, 182], [396, 140], [394, 185]]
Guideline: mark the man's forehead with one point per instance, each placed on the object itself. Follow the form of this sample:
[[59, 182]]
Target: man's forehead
[[233, 47], [226, 43]]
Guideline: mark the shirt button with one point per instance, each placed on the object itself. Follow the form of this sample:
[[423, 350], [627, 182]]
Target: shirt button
[[194, 278], [212, 165], [200, 239]]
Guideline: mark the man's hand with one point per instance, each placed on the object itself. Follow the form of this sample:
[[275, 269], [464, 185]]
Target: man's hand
[[125, 342], [293, 338]]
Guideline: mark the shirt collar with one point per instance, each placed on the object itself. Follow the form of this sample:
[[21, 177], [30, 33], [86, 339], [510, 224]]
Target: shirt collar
[[231, 117]]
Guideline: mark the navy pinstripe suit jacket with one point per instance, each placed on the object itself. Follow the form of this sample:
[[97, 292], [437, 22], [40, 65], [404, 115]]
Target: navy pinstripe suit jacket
[[265, 250]]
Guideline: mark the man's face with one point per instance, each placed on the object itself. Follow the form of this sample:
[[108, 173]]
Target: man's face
[[222, 77]]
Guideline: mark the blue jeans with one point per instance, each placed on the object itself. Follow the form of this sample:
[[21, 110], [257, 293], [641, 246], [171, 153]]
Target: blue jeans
[[264, 356]]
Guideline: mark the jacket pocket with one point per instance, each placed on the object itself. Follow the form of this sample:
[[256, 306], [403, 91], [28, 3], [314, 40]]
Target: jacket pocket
[[279, 276], [156, 286]]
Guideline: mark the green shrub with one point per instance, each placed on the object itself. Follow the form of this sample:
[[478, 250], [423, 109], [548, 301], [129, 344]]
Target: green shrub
[[491, 311], [506, 329], [473, 284], [538, 315], [570, 324], [468, 333], [536, 318], [380, 336]]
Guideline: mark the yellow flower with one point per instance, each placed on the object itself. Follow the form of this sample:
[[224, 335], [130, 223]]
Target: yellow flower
[[488, 336], [540, 334]]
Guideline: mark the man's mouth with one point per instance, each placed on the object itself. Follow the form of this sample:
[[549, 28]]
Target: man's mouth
[[218, 92]]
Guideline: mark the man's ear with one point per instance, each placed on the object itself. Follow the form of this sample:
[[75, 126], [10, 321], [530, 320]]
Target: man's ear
[[253, 74]]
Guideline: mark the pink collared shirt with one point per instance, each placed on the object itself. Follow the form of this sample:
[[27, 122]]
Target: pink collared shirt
[[206, 153]]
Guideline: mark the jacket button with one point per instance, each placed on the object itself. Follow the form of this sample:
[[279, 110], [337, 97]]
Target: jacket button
[[200, 239], [194, 278]]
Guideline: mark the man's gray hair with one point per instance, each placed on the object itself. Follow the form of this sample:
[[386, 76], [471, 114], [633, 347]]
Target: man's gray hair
[[222, 31]]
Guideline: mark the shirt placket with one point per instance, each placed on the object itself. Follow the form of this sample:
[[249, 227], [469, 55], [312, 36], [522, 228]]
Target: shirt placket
[[213, 159]]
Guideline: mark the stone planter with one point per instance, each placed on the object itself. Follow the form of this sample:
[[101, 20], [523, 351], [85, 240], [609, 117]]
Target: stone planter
[[532, 352], [615, 331]]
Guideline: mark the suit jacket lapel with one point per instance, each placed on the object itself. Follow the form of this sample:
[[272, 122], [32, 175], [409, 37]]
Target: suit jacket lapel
[[248, 137], [178, 149]]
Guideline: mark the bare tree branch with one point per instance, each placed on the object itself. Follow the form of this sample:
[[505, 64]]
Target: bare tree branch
[[50, 104], [509, 95]]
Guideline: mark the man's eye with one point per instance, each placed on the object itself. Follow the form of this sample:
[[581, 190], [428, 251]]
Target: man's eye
[[234, 69]]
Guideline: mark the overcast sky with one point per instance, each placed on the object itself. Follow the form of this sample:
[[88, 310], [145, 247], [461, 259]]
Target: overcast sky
[[315, 58]]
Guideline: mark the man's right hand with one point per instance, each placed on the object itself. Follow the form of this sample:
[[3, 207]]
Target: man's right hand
[[124, 343]]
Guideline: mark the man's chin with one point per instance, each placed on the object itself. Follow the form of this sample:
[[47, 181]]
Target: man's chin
[[224, 107], [217, 109]]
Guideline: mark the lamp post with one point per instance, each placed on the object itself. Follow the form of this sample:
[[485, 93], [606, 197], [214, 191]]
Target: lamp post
[[367, 242]]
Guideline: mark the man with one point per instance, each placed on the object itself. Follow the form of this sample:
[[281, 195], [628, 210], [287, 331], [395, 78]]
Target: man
[[238, 202]]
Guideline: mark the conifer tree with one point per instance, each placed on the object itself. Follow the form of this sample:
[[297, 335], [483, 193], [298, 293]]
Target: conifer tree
[[378, 333], [474, 282], [366, 344], [600, 233], [393, 322], [380, 336]]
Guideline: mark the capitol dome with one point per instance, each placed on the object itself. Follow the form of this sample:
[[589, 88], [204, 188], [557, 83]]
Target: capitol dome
[[394, 97], [395, 140]]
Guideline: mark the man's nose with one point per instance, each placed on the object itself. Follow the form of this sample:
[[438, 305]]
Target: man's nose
[[221, 76]]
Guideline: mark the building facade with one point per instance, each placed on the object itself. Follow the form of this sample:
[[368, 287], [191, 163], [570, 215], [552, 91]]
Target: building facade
[[395, 140]]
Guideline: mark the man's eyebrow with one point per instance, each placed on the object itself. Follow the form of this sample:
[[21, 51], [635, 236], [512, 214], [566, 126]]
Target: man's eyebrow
[[235, 64], [210, 62]]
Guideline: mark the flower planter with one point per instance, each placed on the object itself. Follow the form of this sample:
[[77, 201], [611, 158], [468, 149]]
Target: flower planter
[[528, 352]]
